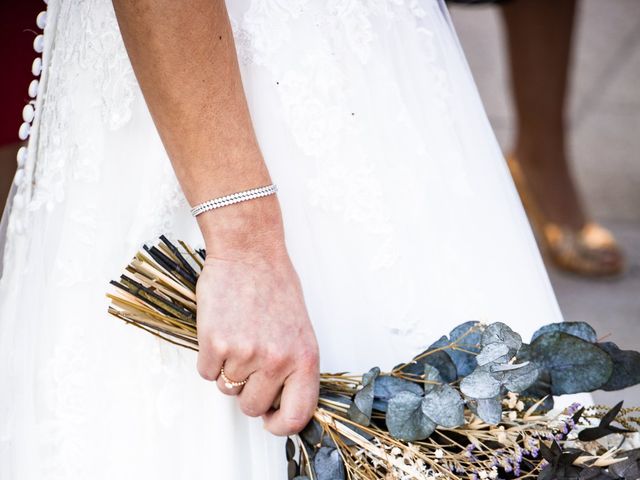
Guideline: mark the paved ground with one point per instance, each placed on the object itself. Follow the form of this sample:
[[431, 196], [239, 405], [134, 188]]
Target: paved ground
[[605, 145]]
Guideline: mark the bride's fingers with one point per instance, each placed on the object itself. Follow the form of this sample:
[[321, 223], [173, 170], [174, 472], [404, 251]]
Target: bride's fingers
[[232, 373], [260, 394], [299, 401], [209, 361]]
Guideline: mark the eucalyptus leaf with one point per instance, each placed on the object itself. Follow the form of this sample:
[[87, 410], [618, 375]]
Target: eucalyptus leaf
[[489, 409], [360, 410], [480, 384], [519, 379], [444, 364], [574, 365], [414, 367], [387, 386], [626, 367], [469, 341], [292, 469], [540, 389], [500, 333], [577, 329], [444, 405], [524, 354], [431, 378], [290, 449], [435, 357], [312, 434], [328, 464], [494, 352], [405, 418]]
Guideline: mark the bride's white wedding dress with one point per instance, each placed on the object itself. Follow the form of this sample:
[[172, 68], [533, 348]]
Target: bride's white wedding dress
[[400, 218]]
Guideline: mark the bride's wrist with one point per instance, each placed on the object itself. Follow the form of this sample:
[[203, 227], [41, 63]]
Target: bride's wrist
[[244, 230]]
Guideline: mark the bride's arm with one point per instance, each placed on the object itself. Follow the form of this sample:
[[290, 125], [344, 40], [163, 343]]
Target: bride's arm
[[251, 312], [184, 58]]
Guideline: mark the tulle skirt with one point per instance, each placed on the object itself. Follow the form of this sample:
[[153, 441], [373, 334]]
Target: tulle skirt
[[400, 217]]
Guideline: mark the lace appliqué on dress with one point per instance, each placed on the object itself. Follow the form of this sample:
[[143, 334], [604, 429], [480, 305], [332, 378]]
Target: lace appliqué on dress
[[88, 44], [312, 85], [87, 91], [85, 71]]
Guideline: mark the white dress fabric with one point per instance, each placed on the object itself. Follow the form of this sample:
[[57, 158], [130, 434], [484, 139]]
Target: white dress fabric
[[400, 217]]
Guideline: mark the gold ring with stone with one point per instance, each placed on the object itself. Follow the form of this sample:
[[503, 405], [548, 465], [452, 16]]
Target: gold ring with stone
[[230, 384]]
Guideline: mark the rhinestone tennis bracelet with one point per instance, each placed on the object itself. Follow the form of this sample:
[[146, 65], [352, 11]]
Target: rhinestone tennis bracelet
[[234, 198]]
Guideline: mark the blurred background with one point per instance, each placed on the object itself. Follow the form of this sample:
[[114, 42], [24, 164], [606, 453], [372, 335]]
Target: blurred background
[[603, 136], [604, 146]]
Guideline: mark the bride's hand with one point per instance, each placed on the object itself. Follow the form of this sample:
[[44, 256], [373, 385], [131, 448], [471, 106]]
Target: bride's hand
[[252, 319]]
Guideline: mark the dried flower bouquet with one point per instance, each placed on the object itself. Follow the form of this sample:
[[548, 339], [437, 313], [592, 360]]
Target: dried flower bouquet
[[474, 405]]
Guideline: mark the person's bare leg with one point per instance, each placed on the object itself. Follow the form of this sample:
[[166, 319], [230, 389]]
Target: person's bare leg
[[539, 36]]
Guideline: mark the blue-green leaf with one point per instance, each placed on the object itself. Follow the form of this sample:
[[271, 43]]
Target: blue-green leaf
[[520, 378], [443, 362], [436, 358], [431, 378], [328, 464], [360, 409], [480, 384], [574, 365], [540, 389], [493, 352], [626, 367], [387, 386], [468, 335], [500, 333], [405, 418], [488, 409], [577, 329], [444, 405]]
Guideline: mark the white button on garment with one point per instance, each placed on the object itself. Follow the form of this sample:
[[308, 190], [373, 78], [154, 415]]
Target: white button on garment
[[23, 132], [21, 158], [36, 67], [28, 113], [17, 179], [38, 43], [33, 88], [41, 20]]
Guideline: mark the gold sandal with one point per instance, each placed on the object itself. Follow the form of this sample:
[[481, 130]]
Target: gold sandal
[[589, 251]]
